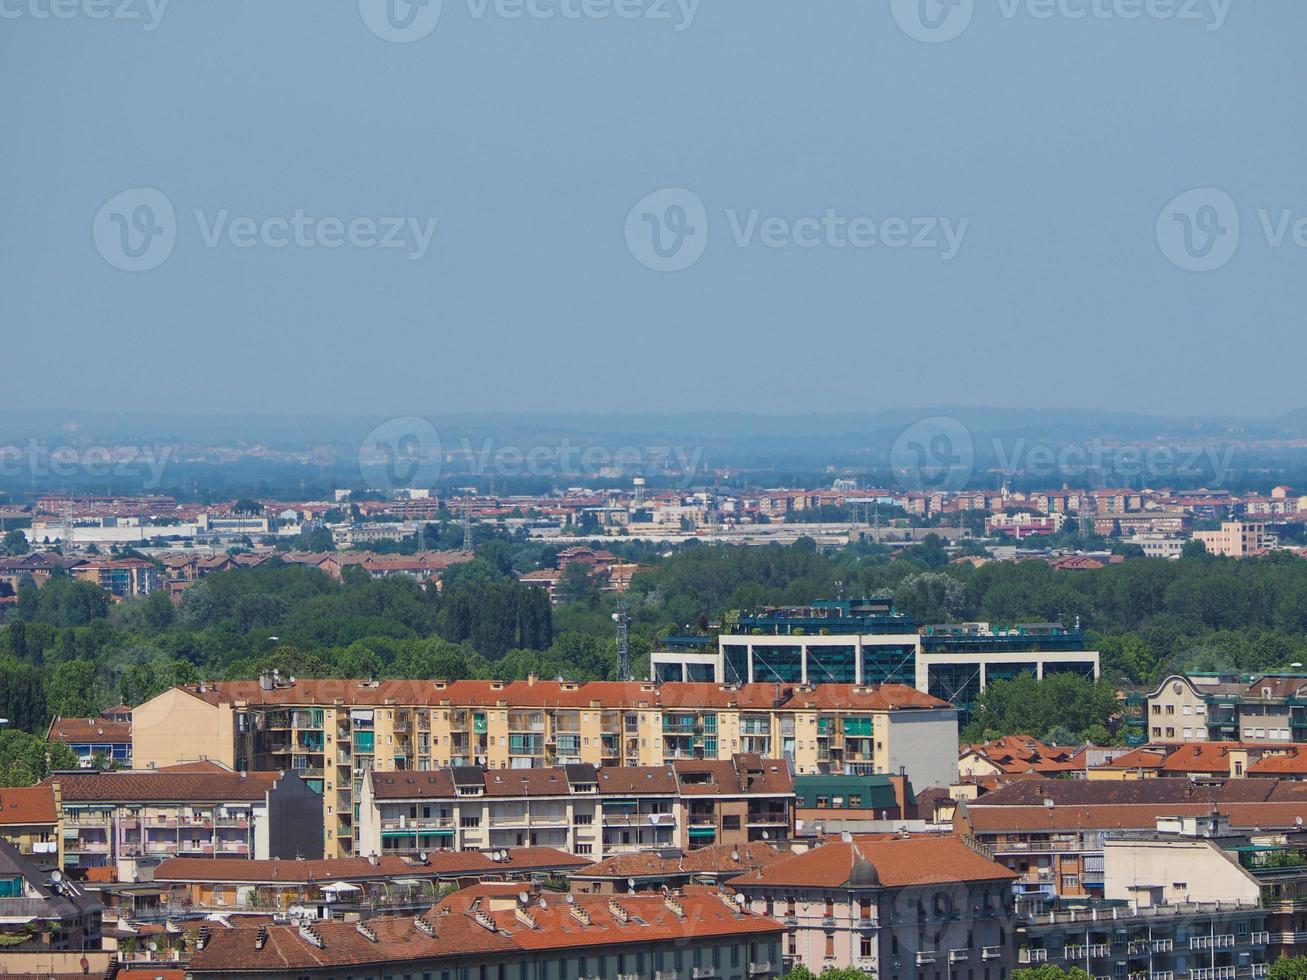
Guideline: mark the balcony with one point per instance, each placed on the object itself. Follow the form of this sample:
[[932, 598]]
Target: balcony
[[1163, 945], [1259, 939], [700, 972], [991, 952], [925, 956], [1030, 955], [958, 955], [1080, 951], [1213, 973], [1261, 969], [759, 967], [1225, 941]]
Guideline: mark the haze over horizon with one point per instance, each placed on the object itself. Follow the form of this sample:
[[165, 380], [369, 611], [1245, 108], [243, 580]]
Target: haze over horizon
[[1044, 149]]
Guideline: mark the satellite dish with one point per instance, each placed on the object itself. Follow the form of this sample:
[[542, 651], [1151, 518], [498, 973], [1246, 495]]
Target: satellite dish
[[739, 900], [665, 890], [735, 855], [571, 900], [56, 876], [154, 947], [766, 835], [523, 897], [630, 883], [846, 837], [542, 903], [422, 856]]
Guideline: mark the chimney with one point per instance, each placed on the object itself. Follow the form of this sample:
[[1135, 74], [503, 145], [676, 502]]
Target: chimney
[[266, 681], [373, 859], [532, 680]]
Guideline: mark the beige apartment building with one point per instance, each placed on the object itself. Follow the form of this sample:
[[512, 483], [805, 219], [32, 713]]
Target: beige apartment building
[[334, 732], [1236, 539], [589, 812], [1252, 708]]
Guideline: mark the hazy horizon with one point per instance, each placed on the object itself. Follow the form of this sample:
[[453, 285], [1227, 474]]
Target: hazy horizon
[[1088, 204]]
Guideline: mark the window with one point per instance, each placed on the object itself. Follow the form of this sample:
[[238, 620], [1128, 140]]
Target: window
[[864, 946], [830, 943], [1070, 881]]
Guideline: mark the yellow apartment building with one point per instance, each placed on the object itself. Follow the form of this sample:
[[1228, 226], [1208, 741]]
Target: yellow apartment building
[[332, 732]]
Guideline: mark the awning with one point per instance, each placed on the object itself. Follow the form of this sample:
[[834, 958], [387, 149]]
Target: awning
[[341, 886]]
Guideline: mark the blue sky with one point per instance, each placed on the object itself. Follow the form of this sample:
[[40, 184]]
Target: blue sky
[[875, 216]]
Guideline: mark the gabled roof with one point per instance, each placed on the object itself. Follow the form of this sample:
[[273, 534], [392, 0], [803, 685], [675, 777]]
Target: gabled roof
[[83, 730], [477, 922], [719, 859], [25, 805], [898, 862], [145, 786]]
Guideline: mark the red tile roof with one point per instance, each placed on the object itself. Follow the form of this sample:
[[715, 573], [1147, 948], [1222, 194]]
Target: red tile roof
[[720, 859], [553, 694], [22, 805], [898, 862], [137, 785], [72, 730], [475, 922], [299, 872]]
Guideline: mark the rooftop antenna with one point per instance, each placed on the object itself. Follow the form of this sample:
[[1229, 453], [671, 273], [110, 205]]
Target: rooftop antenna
[[623, 619], [467, 524]]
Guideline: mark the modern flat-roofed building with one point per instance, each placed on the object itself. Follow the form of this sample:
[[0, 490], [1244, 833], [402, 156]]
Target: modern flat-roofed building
[[488, 930], [593, 813], [867, 642], [1236, 539], [335, 732]]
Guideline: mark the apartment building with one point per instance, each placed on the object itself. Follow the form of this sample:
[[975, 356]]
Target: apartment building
[[1222, 707], [333, 733], [1052, 832], [591, 812], [29, 820], [1236, 539], [489, 930], [107, 738], [1177, 941], [901, 909], [133, 819], [121, 577], [867, 642], [45, 913]]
